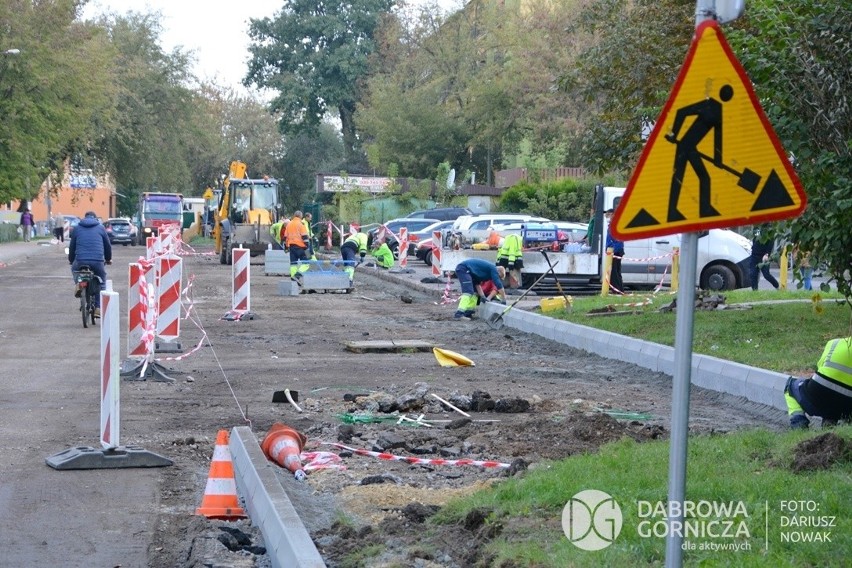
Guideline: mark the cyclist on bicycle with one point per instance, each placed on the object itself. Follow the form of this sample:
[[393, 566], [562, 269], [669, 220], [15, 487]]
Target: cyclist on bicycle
[[90, 246]]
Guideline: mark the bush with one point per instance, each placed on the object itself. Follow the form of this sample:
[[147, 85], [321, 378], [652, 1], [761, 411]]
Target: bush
[[564, 200]]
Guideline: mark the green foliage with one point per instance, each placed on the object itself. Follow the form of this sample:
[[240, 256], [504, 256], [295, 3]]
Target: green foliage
[[565, 200], [52, 93], [624, 73], [785, 337], [797, 55], [753, 467], [314, 56], [306, 154]]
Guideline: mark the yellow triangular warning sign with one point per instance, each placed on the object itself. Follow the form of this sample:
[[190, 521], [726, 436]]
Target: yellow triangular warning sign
[[713, 160]]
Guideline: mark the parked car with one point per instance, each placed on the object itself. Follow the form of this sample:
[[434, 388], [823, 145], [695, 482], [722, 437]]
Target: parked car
[[441, 213], [394, 225], [119, 232], [474, 228], [425, 234]]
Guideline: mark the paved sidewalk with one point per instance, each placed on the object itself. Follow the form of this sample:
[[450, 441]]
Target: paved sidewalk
[[19, 250]]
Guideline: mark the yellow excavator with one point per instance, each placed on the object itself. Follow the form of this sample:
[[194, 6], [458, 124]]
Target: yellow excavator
[[247, 208]]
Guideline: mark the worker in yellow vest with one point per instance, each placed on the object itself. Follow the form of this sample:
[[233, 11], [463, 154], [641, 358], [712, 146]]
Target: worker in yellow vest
[[510, 256], [355, 245], [275, 232], [384, 255], [828, 393]]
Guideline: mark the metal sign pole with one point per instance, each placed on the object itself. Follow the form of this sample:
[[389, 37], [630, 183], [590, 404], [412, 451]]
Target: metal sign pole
[[680, 397]]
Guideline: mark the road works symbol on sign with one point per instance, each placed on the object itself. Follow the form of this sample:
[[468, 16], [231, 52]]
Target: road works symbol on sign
[[715, 152]]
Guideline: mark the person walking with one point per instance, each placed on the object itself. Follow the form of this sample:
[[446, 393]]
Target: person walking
[[296, 240], [27, 224], [59, 228], [803, 260], [616, 283], [472, 273], [828, 393], [761, 248], [90, 246]]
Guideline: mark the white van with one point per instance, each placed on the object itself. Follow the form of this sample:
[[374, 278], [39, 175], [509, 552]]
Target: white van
[[474, 228], [722, 262]]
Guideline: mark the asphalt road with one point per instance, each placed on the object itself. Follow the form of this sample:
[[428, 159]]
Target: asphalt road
[[49, 396]]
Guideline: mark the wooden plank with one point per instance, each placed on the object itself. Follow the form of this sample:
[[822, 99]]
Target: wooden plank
[[388, 346]]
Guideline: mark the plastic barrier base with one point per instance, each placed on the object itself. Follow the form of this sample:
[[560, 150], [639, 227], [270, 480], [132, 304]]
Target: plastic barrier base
[[86, 457], [131, 370]]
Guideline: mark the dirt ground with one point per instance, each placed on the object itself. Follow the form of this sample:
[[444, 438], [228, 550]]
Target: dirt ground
[[549, 401]]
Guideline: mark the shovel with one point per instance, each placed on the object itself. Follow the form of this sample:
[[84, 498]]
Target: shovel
[[558, 285], [495, 321], [749, 180]]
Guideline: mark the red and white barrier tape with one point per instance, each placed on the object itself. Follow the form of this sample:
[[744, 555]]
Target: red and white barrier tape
[[420, 461], [312, 461]]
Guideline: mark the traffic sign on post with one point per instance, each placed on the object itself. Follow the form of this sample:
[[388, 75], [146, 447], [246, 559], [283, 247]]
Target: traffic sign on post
[[713, 160]]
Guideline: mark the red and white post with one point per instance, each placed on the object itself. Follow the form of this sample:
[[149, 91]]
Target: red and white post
[[436, 253], [169, 280], [139, 316], [403, 247], [110, 367], [241, 286]]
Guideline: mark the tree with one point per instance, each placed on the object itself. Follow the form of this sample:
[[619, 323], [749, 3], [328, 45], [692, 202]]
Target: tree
[[158, 125], [632, 55], [797, 55], [314, 56], [471, 86], [306, 154], [52, 93]]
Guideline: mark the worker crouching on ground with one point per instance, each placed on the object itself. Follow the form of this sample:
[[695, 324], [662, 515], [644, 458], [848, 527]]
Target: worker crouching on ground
[[510, 256], [472, 273], [828, 393], [354, 246], [383, 255]]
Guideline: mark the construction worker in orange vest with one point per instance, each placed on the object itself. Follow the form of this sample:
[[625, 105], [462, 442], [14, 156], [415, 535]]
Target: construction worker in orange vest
[[296, 239]]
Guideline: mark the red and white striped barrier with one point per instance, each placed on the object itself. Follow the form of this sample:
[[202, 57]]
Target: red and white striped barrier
[[421, 461], [110, 368], [169, 276], [139, 338], [354, 228], [446, 297], [169, 237], [436, 253], [403, 247], [328, 243], [241, 285], [151, 247]]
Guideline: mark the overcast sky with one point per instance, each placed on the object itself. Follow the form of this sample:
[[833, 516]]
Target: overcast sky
[[216, 30]]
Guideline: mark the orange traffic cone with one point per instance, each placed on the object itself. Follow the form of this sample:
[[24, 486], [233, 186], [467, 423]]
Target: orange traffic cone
[[283, 446], [220, 496]]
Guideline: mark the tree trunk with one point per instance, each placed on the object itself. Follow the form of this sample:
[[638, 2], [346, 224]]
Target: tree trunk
[[347, 127]]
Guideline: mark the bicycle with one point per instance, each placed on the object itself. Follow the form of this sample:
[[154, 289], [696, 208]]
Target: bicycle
[[89, 285]]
